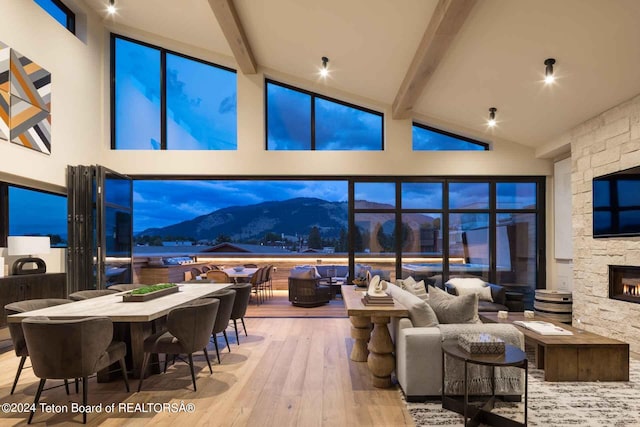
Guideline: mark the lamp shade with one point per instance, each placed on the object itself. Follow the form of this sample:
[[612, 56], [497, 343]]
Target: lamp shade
[[29, 245]]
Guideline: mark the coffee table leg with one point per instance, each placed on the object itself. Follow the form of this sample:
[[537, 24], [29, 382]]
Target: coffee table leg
[[360, 332], [381, 361]]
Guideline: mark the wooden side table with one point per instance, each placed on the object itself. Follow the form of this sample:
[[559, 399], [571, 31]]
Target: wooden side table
[[373, 346], [512, 356]]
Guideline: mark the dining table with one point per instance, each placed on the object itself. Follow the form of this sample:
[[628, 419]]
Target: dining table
[[139, 319], [244, 273]]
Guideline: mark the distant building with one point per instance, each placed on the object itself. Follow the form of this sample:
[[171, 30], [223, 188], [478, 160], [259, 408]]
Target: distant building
[[178, 243]]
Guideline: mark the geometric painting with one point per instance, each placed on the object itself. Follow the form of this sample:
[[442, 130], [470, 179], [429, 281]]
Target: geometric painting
[[4, 91], [30, 103]]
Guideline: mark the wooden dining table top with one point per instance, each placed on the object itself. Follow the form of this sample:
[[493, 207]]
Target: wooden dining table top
[[113, 307]]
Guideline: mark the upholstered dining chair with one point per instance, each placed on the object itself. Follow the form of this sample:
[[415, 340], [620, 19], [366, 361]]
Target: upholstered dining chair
[[195, 272], [250, 265], [125, 287], [91, 293], [240, 304], [74, 348], [226, 297], [218, 276], [15, 329], [205, 268], [188, 329], [255, 282]]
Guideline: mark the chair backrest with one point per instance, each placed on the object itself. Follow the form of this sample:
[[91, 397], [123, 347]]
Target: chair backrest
[[250, 265], [268, 273], [256, 278], [15, 329], [62, 349], [195, 272], [205, 268], [126, 287], [92, 293], [241, 301], [192, 324], [226, 297], [218, 276]]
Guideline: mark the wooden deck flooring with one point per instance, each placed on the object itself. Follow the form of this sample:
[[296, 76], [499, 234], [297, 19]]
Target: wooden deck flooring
[[287, 372], [279, 306]]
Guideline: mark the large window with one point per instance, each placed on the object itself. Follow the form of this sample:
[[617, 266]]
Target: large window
[[60, 13], [426, 138], [301, 120], [35, 213], [162, 100]]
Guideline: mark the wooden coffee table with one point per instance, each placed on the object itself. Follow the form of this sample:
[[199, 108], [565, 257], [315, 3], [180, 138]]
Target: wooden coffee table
[[583, 356]]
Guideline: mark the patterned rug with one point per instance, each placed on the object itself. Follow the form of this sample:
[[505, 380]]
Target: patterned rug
[[557, 404]]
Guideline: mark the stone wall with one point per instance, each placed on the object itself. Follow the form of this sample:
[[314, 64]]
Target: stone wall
[[607, 143]]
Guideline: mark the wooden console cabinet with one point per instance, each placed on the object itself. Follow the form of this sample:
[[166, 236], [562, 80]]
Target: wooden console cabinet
[[30, 286]]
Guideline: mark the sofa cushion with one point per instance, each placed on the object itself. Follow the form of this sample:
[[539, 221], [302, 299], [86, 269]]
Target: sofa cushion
[[420, 313], [484, 292], [417, 288], [454, 309], [466, 282], [304, 272]]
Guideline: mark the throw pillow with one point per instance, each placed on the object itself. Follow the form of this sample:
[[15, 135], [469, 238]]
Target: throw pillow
[[420, 313], [454, 309], [484, 293], [466, 282], [417, 289]]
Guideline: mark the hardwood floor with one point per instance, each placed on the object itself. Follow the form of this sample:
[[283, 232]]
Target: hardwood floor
[[279, 306], [287, 372]]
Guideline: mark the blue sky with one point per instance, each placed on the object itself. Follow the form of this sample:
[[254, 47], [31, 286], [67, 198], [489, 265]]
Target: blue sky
[[34, 212]]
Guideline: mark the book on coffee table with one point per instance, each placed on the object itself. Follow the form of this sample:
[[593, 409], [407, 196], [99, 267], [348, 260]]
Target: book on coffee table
[[542, 328]]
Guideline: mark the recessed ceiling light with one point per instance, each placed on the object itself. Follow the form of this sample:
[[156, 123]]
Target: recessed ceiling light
[[548, 71], [492, 117], [324, 71], [111, 9]]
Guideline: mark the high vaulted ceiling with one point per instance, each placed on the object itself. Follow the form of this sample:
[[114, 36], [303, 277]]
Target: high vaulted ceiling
[[495, 60]]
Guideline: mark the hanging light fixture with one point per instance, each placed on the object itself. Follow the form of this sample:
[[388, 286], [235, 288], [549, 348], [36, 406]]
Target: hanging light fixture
[[111, 9], [548, 71], [324, 71], [492, 117]]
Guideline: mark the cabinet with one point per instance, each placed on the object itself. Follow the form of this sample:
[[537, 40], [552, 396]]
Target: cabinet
[[30, 286]]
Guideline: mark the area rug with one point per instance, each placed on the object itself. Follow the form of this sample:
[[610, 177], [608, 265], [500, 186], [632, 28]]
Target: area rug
[[558, 404]]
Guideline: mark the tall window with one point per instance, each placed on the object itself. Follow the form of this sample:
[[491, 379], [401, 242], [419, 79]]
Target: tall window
[[60, 13], [162, 100], [301, 120], [426, 138], [37, 213]]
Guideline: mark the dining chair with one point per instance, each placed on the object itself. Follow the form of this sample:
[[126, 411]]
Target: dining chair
[[255, 284], [15, 329], [226, 297], [268, 279], [75, 348], [188, 329], [195, 272], [251, 265], [240, 304], [205, 268], [91, 293], [218, 276]]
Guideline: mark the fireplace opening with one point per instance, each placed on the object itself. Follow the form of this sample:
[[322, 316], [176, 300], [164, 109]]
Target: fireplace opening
[[624, 283]]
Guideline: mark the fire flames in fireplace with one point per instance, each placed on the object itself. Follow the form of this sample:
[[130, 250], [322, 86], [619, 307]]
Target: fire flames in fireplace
[[632, 289]]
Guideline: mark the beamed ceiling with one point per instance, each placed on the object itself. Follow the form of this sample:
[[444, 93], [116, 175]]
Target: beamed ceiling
[[445, 61]]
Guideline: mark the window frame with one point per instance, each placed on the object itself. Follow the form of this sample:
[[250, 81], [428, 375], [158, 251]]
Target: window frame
[[313, 96], [485, 145], [163, 87], [70, 15], [4, 208]]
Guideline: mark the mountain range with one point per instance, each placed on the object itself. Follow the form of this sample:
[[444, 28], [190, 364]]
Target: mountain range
[[290, 217]]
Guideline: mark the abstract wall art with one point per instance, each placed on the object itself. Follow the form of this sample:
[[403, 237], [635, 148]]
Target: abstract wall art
[[4, 91], [25, 101]]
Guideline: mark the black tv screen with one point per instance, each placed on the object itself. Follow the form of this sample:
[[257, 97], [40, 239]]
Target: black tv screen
[[616, 204]]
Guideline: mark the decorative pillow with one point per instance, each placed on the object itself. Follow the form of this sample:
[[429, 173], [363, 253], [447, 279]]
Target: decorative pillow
[[466, 282], [304, 272], [419, 311], [416, 288], [454, 309], [484, 293]]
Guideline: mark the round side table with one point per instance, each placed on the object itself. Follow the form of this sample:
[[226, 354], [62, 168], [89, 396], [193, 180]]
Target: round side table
[[512, 356]]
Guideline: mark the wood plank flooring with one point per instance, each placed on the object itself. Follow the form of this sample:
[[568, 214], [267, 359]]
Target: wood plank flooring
[[287, 372], [279, 306]]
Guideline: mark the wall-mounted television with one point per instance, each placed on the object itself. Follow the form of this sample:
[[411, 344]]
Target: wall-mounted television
[[616, 204]]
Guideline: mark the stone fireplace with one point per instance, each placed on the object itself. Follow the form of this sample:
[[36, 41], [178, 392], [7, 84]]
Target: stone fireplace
[[624, 283]]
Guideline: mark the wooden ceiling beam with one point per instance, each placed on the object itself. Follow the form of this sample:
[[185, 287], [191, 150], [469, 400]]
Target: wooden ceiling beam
[[446, 22], [227, 17]]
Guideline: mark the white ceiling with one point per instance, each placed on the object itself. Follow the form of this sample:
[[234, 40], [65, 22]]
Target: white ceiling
[[495, 61]]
